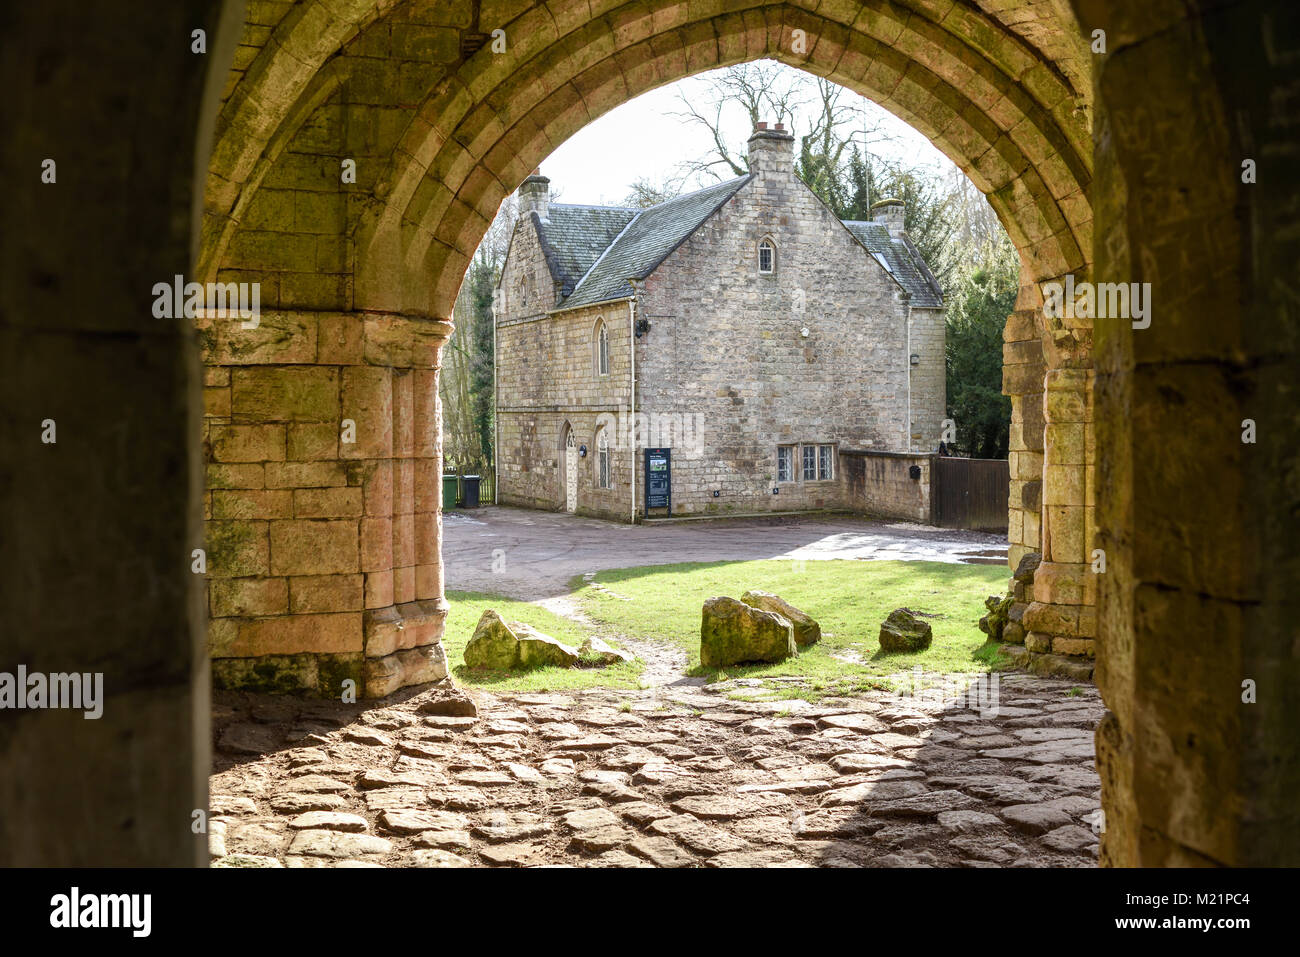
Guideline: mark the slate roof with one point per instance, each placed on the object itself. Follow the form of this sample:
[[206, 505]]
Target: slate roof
[[646, 242], [593, 251], [902, 261], [573, 237]]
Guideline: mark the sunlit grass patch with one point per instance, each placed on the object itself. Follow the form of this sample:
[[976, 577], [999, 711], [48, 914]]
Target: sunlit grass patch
[[848, 598]]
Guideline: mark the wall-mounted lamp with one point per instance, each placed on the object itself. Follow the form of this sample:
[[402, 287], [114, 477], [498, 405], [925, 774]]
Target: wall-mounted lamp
[[916, 360], [914, 472], [642, 327], [582, 451]]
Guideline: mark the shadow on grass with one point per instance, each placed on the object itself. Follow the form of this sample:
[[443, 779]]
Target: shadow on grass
[[537, 677]]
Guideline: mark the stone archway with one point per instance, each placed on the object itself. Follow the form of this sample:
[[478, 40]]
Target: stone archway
[[357, 268], [443, 125], [1199, 592]]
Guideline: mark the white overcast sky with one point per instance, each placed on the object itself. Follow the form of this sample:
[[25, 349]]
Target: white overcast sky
[[642, 138]]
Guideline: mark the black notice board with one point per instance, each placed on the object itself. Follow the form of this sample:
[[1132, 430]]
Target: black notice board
[[659, 479]]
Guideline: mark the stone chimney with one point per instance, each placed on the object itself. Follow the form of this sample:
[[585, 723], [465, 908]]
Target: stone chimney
[[535, 195], [771, 150], [890, 212]]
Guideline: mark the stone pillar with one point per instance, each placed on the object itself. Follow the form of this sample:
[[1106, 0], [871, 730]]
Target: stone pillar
[[1022, 380], [1063, 616], [99, 418], [324, 458]]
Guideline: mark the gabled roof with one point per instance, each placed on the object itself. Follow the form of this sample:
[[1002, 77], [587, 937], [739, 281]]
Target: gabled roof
[[593, 251], [573, 237], [646, 241], [901, 260]]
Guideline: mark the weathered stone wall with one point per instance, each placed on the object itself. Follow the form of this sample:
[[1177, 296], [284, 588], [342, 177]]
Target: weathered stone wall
[[725, 345], [880, 483], [1196, 649], [724, 374], [1062, 619], [1023, 367], [97, 525], [929, 378], [322, 504], [547, 382]]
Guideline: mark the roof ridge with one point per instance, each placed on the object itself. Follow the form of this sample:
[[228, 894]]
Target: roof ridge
[[702, 189], [620, 209], [641, 209], [713, 196], [604, 252]]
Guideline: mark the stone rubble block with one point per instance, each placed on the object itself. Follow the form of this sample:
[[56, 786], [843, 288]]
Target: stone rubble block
[[806, 630], [732, 632]]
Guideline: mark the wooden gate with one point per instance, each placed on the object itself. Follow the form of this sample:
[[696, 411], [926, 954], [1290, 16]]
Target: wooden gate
[[971, 493]]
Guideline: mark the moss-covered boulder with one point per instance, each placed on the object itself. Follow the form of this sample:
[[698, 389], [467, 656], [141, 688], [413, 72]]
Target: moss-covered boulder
[[504, 646], [995, 621], [732, 632], [903, 631], [493, 644], [806, 629], [601, 653]]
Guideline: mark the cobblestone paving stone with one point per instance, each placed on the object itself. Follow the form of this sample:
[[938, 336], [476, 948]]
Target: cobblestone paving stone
[[664, 778], [660, 778]]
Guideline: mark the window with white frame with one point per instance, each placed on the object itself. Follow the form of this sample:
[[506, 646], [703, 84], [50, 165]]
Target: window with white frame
[[766, 257], [603, 477], [785, 463], [816, 463], [825, 463], [602, 348]]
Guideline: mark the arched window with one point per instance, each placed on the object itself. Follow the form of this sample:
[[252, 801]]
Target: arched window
[[604, 476], [766, 257], [601, 347]]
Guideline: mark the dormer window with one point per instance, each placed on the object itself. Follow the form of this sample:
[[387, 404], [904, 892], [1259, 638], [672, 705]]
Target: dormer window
[[766, 258]]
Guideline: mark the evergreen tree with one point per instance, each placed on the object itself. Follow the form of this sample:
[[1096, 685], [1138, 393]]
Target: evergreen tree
[[977, 312]]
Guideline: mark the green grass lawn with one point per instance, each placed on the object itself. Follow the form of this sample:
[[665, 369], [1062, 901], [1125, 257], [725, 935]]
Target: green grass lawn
[[849, 599], [466, 609]]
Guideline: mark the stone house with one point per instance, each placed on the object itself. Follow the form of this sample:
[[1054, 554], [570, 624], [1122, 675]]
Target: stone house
[[743, 327]]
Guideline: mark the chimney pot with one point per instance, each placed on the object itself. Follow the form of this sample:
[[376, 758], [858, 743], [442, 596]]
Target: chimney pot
[[771, 151], [535, 195], [891, 212]]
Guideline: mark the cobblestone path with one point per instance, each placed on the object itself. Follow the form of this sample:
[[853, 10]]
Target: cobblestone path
[[668, 777]]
